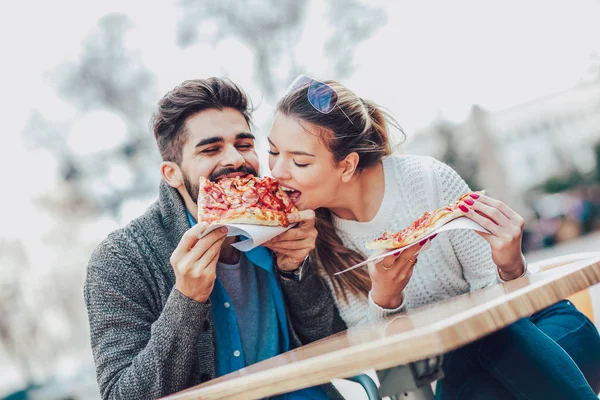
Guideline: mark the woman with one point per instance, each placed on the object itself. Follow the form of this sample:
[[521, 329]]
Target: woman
[[331, 150]]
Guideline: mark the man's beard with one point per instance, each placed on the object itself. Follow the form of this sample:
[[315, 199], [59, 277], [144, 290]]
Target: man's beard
[[194, 188]]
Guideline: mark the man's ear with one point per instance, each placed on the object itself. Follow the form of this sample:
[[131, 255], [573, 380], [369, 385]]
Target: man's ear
[[349, 165], [171, 173]]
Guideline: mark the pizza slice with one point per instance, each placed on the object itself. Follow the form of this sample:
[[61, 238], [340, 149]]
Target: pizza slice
[[244, 200], [421, 227]]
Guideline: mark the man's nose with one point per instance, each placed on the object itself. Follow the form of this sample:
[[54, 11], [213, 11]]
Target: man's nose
[[232, 158]]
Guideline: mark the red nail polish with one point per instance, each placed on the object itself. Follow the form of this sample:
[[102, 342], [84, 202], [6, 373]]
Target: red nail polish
[[432, 236], [422, 242], [474, 195], [463, 208], [469, 202]]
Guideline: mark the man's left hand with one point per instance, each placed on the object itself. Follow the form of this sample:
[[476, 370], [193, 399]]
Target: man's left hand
[[293, 245]]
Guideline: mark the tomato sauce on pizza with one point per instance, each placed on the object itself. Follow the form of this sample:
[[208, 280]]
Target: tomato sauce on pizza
[[244, 200], [421, 227]]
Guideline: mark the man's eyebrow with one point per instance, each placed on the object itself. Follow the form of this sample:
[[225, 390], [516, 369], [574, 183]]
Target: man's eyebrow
[[219, 139], [210, 140], [297, 153], [245, 135]]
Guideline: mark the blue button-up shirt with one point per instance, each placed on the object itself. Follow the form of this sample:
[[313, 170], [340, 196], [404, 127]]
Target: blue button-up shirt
[[229, 350]]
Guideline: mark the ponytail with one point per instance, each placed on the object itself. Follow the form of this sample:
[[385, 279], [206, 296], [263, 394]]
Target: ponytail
[[333, 256]]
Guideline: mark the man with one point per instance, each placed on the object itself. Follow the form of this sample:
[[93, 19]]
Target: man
[[168, 310]]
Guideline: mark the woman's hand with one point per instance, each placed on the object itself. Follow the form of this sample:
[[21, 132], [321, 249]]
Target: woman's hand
[[390, 276], [506, 227], [293, 245]]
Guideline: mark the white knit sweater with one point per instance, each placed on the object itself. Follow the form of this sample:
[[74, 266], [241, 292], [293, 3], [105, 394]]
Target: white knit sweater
[[457, 262]]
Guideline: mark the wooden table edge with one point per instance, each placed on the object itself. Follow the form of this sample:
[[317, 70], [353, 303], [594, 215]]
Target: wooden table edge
[[506, 310]]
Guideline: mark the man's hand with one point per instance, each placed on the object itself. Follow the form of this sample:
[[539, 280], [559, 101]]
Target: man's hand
[[195, 261], [293, 245]]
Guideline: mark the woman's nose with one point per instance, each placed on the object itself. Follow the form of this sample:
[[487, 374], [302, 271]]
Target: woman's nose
[[279, 171]]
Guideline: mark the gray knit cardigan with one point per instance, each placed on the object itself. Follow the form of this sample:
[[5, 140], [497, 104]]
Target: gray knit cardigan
[[148, 339]]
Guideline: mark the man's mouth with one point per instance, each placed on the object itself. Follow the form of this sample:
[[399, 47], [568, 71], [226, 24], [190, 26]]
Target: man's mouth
[[230, 172], [231, 175], [292, 193]]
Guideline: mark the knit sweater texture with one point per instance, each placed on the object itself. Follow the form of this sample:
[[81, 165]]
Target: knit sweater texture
[[458, 261]]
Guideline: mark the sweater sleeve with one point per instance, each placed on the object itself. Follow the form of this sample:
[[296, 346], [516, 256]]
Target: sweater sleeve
[[472, 251], [138, 354], [311, 307], [376, 313]]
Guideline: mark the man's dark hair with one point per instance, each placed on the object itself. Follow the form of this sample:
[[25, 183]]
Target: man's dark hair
[[187, 99]]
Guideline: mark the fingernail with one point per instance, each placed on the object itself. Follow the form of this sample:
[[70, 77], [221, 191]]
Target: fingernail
[[224, 229], [469, 202], [422, 242], [432, 236], [396, 254], [291, 218], [474, 195], [463, 208]]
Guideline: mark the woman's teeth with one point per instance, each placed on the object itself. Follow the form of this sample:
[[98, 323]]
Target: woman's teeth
[[293, 194]]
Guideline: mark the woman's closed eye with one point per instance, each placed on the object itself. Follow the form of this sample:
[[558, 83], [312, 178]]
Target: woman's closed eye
[[297, 164]]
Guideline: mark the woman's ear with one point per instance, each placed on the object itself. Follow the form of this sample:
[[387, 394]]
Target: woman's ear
[[171, 173], [349, 165]]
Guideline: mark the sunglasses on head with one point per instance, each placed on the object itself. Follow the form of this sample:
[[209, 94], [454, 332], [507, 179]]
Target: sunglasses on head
[[320, 95]]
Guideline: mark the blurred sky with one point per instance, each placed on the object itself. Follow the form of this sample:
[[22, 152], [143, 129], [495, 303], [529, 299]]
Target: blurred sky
[[439, 57]]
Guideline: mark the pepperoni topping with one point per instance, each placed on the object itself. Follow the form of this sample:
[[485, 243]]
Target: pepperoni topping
[[231, 196], [250, 197]]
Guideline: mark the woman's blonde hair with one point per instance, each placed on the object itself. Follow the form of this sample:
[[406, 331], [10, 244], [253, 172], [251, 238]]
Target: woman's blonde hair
[[353, 125]]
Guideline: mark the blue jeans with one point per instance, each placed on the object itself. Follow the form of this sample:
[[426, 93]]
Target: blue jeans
[[554, 354]]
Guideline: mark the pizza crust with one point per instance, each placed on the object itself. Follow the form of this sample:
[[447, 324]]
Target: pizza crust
[[257, 217], [389, 244]]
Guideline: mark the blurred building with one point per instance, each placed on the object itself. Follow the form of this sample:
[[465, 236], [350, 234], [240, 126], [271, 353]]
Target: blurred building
[[516, 149]]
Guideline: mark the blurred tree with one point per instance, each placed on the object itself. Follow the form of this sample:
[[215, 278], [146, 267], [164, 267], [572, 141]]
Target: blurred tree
[[271, 29], [464, 163], [13, 324], [105, 156], [564, 183], [353, 22], [597, 156], [110, 76], [593, 72], [108, 79], [571, 178]]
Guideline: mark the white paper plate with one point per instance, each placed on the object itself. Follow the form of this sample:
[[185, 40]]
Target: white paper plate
[[255, 234]]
